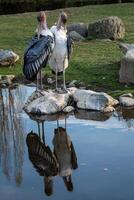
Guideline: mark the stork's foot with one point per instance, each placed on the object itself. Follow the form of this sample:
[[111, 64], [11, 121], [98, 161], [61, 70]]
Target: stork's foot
[[65, 90], [61, 90], [58, 90]]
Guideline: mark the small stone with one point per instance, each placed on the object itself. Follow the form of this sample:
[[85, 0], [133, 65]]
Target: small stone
[[126, 101], [68, 109], [72, 83], [50, 81], [127, 95], [8, 57]]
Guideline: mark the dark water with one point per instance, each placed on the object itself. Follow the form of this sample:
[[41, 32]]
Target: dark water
[[103, 146]]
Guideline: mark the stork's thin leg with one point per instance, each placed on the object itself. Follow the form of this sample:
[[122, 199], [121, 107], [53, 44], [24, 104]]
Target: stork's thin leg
[[37, 82], [56, 79], [41, 85], [64, 78]]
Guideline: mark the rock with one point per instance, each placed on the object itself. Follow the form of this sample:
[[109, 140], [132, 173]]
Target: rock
[[50, 81], [127, 95], [126, 47], [80, 28], [8, 58], [126, 72], [68, 109], [76, 36], [7, 79], [109, 109], [126, 101], [72, 83], [46, 103], [110, 27], [87, 99]]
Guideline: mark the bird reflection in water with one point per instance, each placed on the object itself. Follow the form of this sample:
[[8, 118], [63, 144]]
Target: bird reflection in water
[[59, 162]]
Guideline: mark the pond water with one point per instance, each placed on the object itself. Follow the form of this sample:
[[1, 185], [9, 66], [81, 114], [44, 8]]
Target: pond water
[[102, 153]]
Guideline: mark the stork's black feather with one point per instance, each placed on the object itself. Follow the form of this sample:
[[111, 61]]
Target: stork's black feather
[[41, 155], [36, 56], [69, 46]]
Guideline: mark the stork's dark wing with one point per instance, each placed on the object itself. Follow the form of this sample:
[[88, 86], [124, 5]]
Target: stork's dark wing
[[41, 155], [69, 46], [36, 56]]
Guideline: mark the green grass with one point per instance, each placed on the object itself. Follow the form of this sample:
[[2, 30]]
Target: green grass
[[95, 63]]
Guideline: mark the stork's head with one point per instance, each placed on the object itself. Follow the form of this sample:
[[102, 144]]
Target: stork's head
[[41, 17], [62, 21]]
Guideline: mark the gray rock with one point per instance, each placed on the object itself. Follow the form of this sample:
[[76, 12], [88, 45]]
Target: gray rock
[[126, 47], [110, 27], [8, 57], [126, 101], [88, 99], [80, 28], [7, 79], [50, 81], [127, 95], [76, 36], [68, 109], [126, 72], [72, 83], [46, 103]]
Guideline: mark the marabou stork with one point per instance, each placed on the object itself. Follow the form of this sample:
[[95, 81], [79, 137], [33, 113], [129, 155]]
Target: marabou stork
[[39, 50], [59, 59]]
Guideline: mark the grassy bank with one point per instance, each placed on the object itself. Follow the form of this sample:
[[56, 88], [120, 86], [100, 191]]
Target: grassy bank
[[95, 63]]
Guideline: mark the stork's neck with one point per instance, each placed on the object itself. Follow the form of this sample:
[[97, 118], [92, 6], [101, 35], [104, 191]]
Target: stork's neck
[[61, 25], [43, 25]]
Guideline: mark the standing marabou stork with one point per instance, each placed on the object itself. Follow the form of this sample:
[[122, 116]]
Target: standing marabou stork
[[59, 59], [39, 50]]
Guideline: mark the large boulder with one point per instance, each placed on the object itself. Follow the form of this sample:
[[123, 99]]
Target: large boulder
[[8, 57], [90, 100], [126, 73], [80, 28], [110, 27], [46, 103]]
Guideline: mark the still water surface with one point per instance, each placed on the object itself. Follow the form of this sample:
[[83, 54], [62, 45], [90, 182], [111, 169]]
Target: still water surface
[[103, 146]]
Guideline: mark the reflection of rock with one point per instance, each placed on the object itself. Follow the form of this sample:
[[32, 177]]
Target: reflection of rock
[[87, 99], [126, 101], [54, 117], [128, 113], [8, 57], [92, 115], [110, 27], [47, 103], [80, 28]]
